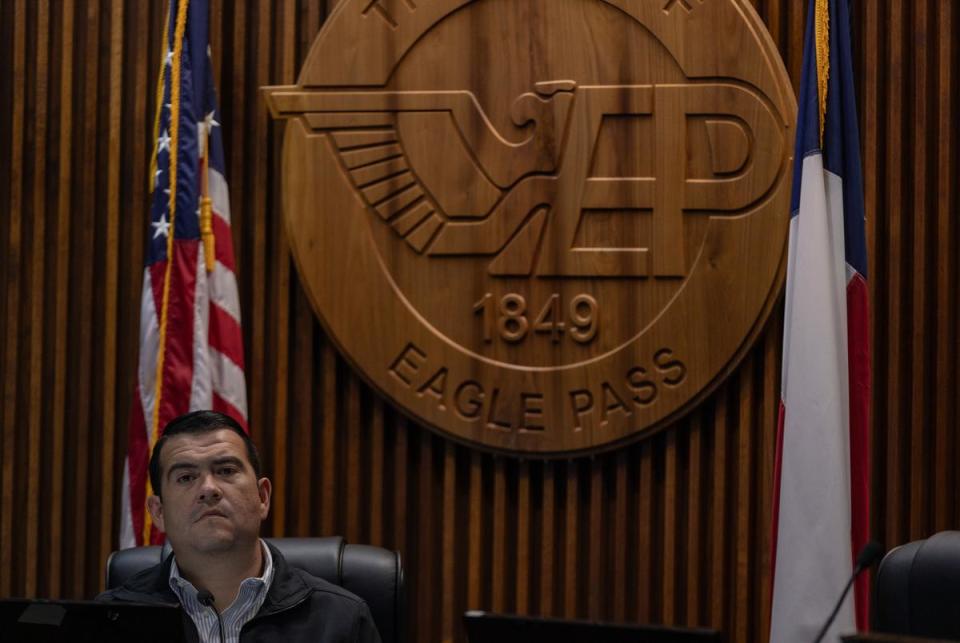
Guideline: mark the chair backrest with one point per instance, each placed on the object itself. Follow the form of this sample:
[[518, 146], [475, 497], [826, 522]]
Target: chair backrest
[[372, 573], [918, 588]]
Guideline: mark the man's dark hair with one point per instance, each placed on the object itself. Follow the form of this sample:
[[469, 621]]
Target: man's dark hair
[[198, 422]]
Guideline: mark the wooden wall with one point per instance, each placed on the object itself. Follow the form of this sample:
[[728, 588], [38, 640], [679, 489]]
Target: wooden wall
[[671, 530]]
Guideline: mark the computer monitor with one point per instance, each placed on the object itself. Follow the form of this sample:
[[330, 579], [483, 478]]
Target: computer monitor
[[484, 627], [47, 621]]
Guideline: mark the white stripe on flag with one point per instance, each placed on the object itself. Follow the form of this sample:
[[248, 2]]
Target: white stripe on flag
[[219, 194], [149, 348], [201, 394], [127, 539], [223, 290], [228, 380], [813, 556]]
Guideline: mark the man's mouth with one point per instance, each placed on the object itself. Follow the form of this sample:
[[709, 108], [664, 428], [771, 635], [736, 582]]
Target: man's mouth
[[212, 514]]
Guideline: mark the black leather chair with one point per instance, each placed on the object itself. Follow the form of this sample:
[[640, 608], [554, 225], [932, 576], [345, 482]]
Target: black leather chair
[[918, 588], [372, 573]]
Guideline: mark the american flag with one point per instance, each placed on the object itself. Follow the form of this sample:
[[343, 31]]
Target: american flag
[[821, 508], [191, 350]]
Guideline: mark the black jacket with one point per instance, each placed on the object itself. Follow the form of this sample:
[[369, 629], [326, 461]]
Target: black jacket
[[298, 607]]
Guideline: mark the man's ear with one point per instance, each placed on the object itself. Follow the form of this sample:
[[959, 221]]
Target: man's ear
[[264, 488], [155, 506]]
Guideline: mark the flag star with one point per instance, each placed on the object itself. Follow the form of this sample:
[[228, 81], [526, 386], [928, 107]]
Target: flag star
[[156, 177], [163, 143], [162, 226], [209, 123], [209, 52], [168, 60]]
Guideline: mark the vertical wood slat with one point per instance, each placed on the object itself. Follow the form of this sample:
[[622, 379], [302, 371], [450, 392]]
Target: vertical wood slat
[[596, 547], [279, 318], [36, 296], [744, 508], [110, 284], [475, 532], [946, 294], [14, 253], [768, 425], [646, 551], [571, 541], [619, 551], [499, 536], [61, 248], [718, 527], [695, 506], [871, 119], [301, 499], [522, 566], [328, 455], [674, 512], [377, 464], [448, 546], [895, 205], [547, 541], [82, 303], [919, 335], [353, 446], [399, 429], [669, 528]]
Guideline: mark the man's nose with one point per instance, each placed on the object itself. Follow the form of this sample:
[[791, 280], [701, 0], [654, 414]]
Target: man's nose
[[209, 489]]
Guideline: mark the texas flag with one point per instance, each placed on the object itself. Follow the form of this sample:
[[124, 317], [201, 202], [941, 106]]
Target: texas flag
[[821, 504]]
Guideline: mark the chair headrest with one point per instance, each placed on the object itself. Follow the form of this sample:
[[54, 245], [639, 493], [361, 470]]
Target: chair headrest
[[918, 587]]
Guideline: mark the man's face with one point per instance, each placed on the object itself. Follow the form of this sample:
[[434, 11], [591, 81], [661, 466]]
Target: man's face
[[212, 500]]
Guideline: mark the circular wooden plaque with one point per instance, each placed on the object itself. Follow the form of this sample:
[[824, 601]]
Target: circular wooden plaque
[[540, 226]]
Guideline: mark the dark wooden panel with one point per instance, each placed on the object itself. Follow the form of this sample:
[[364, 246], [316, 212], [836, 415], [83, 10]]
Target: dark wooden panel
[[672, 530]]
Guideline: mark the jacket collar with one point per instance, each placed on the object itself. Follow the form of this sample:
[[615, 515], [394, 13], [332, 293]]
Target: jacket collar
[[153, 585], [149, 585], [288, 587]]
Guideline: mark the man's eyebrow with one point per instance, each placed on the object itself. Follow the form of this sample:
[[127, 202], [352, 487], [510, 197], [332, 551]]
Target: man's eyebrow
[[216, 462], [181, 465], [228, 459]]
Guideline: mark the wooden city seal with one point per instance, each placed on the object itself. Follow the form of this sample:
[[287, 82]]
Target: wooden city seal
[[540, 226]]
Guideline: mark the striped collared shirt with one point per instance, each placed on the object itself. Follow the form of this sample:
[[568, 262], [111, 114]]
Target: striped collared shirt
[[252, 594]]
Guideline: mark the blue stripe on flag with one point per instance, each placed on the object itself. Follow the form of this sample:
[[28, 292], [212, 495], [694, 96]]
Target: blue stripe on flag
[[841, 136]]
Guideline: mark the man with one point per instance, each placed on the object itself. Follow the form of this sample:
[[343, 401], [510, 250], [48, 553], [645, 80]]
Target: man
[[210, 500]]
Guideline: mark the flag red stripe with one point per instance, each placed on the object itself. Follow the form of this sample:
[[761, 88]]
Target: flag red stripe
[[223, 247], [138, 458], [858, 350], [178, 357], [225, 335], [223, 406], [777, 469]]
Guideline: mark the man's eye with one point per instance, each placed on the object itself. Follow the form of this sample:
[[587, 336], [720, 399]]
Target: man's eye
[[227, 471], [185, 477]]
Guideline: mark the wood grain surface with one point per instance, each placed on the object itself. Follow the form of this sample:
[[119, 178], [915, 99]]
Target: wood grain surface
[[674, 529], [553, 258]]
